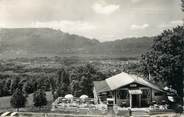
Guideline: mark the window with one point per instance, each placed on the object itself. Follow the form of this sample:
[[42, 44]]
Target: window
[[123, 94], [158, 93], [145, 93], [104, 95]]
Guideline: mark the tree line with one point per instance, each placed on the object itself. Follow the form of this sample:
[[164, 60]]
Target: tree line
[[76, 80]]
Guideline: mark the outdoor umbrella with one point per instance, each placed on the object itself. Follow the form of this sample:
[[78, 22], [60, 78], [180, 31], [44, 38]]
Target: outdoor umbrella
[[83, 97], [69, 96]]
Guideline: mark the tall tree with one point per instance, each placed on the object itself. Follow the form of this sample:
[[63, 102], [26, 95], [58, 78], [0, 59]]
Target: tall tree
[[86, 86], [61, 91], [52, 85], [18, 99], [83, 77], [63, 77], [165, 60], [5, 88], [39, 98], [28, 87], [14, 84], [75, 88], [1, 89], [63, 83]]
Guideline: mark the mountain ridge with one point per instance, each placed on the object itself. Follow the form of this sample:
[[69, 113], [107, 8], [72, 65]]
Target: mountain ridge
[[22, 42]]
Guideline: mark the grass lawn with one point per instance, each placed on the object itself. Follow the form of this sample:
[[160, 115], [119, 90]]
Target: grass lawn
[[5, 101]]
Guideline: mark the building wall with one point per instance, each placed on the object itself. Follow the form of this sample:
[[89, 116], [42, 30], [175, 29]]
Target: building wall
[[158, 97], [148, 95], [145, 98], [122, 100]]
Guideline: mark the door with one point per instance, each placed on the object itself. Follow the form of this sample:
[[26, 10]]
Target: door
[[135, 101]]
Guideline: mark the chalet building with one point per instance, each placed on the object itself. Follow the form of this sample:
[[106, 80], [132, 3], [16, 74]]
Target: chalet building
[[127, 90]]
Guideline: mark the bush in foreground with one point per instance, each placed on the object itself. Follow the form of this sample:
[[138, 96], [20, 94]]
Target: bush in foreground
[[39, 98], [18, 99]]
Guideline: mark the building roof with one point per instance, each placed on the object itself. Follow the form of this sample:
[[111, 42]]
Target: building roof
[[101, 86], [144, 82], [121, 80]]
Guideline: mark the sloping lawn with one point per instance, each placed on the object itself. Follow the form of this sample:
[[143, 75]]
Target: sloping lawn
[[5, 101]]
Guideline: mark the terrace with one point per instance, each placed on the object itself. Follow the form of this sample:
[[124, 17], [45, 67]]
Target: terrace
[[78, 105]]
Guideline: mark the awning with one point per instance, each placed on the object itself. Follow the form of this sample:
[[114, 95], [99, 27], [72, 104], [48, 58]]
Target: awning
[[101, 86], [135, 92]]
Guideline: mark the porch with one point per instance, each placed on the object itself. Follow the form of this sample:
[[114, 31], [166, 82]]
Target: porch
[[132, 98]]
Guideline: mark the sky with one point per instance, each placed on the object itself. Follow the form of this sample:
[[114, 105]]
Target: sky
[[105, 20]]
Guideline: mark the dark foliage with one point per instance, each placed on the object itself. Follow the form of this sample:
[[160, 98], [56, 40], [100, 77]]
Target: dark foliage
[[28, 87], [56, 77], [18, 99], [39, 98], [63, 77], [63, 83], [165, 61]]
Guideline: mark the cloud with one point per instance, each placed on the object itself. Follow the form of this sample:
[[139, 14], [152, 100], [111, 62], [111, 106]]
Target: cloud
[[66, 25], [104, 8], [135, 27], [136, 1], [177, 22], [171, 24]]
